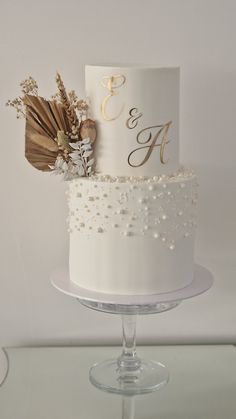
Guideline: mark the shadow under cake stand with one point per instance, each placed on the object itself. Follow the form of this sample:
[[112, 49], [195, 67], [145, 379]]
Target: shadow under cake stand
[[130, 375], [4, 365]]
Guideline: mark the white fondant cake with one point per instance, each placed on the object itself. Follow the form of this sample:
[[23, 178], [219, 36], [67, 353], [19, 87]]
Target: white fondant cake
[[132, 224]]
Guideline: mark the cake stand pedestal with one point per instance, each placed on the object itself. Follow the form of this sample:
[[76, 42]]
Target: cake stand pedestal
[[130, 375]]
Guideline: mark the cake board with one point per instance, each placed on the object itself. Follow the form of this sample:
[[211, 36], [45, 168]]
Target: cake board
[[129, 375], [202, 281]]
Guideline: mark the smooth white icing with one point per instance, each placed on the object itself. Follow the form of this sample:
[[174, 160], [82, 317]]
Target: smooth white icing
[[132, 236], [154, 92]]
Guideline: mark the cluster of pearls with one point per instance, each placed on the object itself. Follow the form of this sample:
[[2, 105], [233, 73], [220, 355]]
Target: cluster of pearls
[[162, 209], [181, 173]]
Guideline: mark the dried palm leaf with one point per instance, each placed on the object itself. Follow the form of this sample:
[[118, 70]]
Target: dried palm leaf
[[40, 150], [43, 120]]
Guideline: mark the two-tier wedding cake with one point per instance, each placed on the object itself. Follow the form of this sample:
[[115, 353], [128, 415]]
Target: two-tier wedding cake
[[132, 223]]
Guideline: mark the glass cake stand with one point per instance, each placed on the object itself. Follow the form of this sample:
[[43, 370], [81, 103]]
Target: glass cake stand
[[130, 375]]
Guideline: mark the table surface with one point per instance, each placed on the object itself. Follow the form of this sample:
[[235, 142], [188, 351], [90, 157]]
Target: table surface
[[52, 383]]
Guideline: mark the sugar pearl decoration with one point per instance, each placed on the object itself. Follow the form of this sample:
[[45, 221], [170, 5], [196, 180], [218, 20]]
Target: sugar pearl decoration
[[132, 206], [128, 233]]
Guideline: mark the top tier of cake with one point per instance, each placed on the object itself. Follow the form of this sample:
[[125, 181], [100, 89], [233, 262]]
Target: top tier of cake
[[137, 114]]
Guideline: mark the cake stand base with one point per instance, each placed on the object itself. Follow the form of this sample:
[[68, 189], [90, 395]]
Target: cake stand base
[[129, 375], [149, 376]]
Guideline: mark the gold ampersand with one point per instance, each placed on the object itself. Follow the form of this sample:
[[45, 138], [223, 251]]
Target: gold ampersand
[[132, 122], [151, 139], [111, 83]]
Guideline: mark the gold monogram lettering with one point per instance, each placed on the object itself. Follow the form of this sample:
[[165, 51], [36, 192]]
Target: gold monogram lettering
[[148, 137], [132, 122], [111, 83]]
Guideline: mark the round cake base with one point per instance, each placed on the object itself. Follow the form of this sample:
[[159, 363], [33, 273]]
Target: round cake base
[[141, 304], [149, 376]]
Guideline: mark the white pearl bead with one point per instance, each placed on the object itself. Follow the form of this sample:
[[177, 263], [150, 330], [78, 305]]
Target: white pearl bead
[[127, 233], [155, 235]]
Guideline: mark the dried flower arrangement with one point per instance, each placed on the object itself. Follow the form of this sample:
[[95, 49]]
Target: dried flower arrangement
[[59, 136]]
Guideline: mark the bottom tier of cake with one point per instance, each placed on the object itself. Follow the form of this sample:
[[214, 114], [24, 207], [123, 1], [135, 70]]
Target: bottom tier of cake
[[132, 235]]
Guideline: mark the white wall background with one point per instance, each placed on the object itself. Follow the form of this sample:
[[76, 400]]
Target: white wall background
[[39, 37]]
